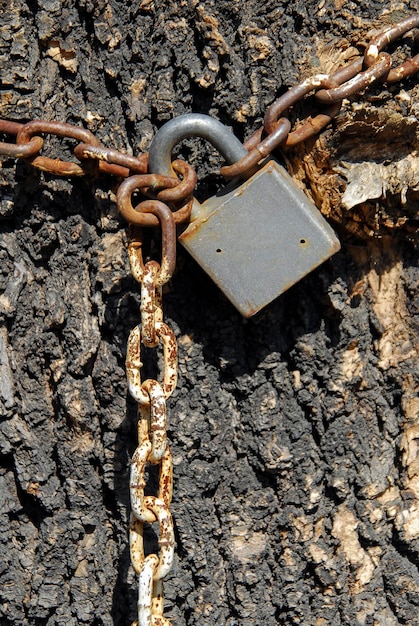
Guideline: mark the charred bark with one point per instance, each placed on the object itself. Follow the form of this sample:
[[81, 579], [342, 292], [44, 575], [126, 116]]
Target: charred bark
[[295, 433]]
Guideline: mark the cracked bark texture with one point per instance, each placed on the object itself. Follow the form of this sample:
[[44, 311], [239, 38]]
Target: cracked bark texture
[[295, 433]]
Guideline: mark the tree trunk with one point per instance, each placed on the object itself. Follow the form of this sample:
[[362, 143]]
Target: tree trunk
[[294, 433]]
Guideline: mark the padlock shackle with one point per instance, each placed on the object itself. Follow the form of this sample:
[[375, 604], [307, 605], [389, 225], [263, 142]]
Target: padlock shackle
[[192, 125]]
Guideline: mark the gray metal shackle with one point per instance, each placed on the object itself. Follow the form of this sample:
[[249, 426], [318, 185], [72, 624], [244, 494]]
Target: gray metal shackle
[[192, 125]]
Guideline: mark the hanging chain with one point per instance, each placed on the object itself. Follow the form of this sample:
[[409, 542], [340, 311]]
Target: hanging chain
[[151, 396]]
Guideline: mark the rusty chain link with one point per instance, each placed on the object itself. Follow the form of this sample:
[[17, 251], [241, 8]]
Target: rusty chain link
[[151, 395]]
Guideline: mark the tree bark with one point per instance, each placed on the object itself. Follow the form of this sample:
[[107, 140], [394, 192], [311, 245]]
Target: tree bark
[[295, 433]]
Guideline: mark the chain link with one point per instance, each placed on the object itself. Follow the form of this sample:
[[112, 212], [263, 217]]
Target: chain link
[[164, 188], [151, 395]]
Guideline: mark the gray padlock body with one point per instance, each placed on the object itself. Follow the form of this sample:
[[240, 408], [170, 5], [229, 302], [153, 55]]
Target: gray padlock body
[[257, 239]]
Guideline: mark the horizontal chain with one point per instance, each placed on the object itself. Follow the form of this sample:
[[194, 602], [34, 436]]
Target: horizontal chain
[[328, 90], [164, 188], [94, 159]]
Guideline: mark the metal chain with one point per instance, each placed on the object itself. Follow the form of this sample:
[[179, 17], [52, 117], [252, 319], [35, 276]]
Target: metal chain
[[329, 90], [151, 396]]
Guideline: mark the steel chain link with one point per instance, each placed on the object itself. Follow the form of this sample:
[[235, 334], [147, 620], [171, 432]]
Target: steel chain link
[[150, 394]]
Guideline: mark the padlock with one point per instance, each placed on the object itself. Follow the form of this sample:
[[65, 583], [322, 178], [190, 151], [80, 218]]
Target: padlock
[[254, 238]]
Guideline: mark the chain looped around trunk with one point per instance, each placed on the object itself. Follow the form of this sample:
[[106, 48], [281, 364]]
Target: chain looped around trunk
[[374, 66]]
